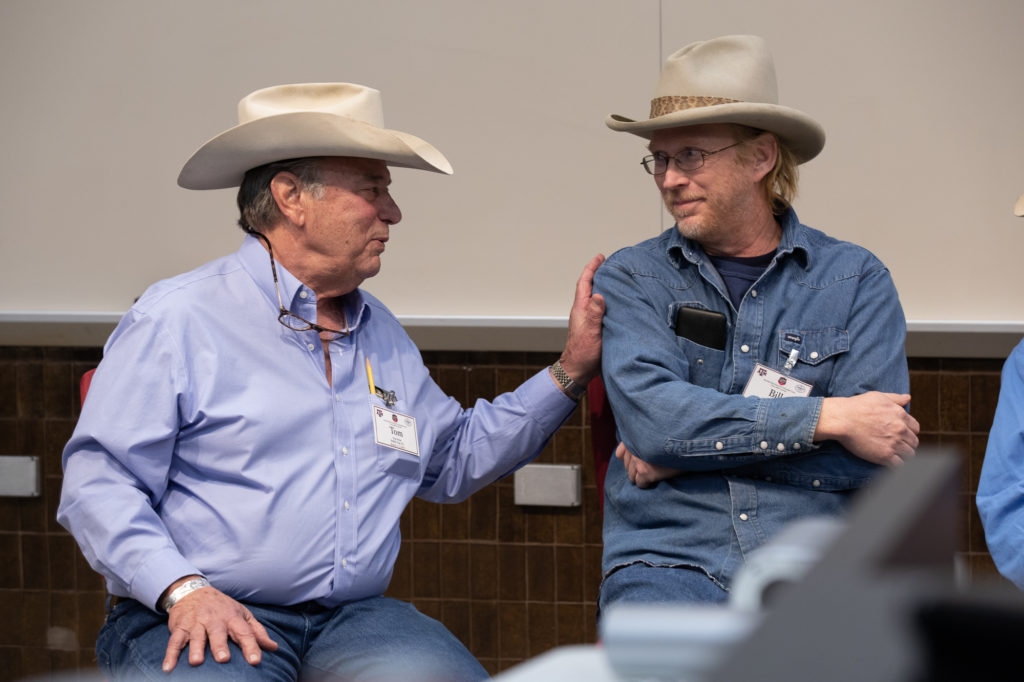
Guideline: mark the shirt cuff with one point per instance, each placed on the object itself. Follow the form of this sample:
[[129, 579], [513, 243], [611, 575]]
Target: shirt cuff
[[544, 399], [157, 573], [789, 425]]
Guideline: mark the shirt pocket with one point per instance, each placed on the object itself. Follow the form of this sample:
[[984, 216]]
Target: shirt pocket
[[394, 460], [704, 364], [817, 353]]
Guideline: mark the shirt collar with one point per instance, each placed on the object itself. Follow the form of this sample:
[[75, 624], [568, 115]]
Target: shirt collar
[[793, 240], [256, 261]]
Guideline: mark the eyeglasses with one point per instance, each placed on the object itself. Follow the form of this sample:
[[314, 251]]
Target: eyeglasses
[[689, 159], [290, 319]]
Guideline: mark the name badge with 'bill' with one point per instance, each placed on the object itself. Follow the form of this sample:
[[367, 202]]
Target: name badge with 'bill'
[[395, 430], [765, 382]]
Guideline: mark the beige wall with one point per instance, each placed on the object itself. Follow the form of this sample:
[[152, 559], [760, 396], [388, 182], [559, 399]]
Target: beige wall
[[103, 101]]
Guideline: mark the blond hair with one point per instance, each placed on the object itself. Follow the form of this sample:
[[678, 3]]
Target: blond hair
[[780, 184]]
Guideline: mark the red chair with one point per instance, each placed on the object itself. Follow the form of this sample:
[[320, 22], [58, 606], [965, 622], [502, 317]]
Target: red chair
[[602, 432], [83, 384]]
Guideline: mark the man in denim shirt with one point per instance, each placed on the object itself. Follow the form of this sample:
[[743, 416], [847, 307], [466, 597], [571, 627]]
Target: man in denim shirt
[[755, 366]]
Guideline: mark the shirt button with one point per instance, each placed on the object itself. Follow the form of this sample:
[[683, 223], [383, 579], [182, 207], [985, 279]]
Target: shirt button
[[764, 445], [753, 292], [745, 348], [346, 505], [303, 294], [796, 446], [310, 346], [344, 563], [780, 447], [814, 355], [816, 483], [719, 445], [344, 451], [743, 517]]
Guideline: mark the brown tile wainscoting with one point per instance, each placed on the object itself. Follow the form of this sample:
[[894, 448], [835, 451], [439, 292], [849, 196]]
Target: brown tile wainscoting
[[511, 582]]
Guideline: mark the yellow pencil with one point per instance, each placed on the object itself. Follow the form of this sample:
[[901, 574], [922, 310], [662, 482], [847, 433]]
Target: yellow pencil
[[369, 377]]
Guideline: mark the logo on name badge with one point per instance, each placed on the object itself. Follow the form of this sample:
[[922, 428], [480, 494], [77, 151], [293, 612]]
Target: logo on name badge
[[782, 381], [394, 418], [761, 371], [380, 412]]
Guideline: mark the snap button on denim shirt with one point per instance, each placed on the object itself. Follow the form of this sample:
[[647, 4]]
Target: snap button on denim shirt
[[680, 404]]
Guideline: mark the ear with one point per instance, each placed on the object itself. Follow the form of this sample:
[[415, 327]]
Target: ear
[[287, 193], [765, 151]]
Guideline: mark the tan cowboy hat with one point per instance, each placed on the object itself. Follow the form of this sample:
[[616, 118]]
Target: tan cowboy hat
[[1018, 208], [725, 80], [306, 119]]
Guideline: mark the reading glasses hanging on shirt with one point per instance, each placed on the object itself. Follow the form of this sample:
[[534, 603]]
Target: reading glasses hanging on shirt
[[290, 319], [689, 159]]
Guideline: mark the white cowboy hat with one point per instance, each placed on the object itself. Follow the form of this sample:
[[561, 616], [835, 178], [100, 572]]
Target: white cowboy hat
[[725, 80], [305, 119]]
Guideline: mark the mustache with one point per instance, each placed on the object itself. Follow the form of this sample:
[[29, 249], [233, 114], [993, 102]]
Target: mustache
[[676, 195]]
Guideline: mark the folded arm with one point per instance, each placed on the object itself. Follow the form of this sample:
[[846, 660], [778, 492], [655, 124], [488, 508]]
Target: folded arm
[[673, 424]]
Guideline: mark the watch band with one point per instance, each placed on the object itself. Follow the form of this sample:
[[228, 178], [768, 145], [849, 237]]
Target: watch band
[[186, 588], [569, 387]]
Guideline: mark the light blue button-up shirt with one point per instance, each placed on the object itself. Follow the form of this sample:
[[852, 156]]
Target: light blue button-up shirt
[[1000, 496], [211, 442], [751, 464]]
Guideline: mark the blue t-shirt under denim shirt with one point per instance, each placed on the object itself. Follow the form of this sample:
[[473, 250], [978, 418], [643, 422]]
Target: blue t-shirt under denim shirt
[[740, 272]]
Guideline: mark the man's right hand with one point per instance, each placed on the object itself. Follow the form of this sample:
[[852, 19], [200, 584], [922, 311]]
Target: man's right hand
[[874, 426], [210, 616], [643, 474]]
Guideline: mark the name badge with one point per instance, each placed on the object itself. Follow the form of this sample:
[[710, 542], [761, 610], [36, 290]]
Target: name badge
[[395, 430], [765, 382]]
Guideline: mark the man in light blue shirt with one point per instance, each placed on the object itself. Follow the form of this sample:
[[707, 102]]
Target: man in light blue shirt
[[1000, 497], [755, 366], [258, 425]]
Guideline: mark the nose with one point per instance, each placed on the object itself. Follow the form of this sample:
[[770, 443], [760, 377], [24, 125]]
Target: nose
[[389, 211], [673, 177]]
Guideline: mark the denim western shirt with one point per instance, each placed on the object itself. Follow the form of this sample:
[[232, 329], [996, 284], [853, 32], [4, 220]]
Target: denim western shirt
[[750, 464], [1000, 496], [212, 443]]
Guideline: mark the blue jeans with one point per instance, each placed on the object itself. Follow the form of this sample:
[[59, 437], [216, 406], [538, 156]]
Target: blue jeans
[[643, 583], [378, 639]]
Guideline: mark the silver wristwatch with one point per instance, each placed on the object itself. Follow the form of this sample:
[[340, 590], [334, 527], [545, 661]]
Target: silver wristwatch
[[569, 387]]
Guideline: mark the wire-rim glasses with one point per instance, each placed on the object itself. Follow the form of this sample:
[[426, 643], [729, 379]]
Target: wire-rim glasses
[[290, 319], [689, 159]]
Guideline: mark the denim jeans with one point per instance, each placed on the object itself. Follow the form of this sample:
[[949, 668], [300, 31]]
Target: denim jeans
[[647, 583], [377, 639]]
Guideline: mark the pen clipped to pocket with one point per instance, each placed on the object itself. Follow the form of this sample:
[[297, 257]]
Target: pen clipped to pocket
[[706, 327]]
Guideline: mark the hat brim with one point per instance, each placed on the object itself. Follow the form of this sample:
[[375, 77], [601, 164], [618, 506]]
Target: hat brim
[[802, 134], [223, 161]]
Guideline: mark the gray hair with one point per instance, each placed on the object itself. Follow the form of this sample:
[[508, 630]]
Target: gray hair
[[256, 205]]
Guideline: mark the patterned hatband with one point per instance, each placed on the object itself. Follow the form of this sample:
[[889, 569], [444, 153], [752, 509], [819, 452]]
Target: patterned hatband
[[668, 104]]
